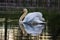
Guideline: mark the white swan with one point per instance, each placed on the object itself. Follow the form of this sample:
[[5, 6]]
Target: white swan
[[33, 23]]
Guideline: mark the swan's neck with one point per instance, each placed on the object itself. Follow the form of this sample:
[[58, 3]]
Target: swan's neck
[[23, 15]]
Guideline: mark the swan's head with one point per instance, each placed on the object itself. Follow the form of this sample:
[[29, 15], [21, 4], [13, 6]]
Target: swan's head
[[25, 10]]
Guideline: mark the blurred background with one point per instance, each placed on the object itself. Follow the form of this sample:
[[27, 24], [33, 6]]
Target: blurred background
[[10, 12]]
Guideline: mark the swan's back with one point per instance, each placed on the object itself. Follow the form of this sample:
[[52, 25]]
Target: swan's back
[[31, 16]]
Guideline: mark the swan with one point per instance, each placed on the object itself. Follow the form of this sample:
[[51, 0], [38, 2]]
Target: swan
[[33, 23]]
